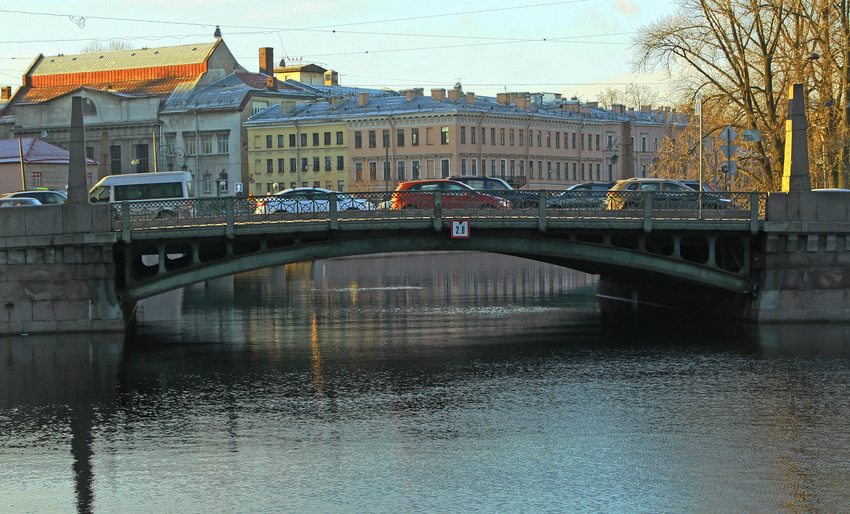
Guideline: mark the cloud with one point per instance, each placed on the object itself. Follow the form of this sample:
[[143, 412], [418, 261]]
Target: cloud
[[626, 7]]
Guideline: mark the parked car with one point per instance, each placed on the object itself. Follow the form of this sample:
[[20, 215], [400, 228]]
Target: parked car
[[308, 199], [666, 194], [18, 202], [694, 184], [497, 186], [588, 195], [43, 196], [419, 194]]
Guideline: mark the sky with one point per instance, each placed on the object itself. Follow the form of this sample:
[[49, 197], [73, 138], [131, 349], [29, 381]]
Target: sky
[[572, 47]]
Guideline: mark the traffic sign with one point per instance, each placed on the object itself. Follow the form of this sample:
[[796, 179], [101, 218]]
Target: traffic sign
[[460, 228], [752, 135], [728, 150], [728, 134], [237, 187], [730, 167]]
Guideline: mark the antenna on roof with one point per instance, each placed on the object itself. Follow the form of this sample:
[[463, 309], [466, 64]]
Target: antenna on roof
[[217, 32]]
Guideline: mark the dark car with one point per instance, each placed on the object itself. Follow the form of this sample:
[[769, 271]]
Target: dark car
[[497, 186], [419, 194], [666, 194], [694, 184], [588, 195], [42, 195]]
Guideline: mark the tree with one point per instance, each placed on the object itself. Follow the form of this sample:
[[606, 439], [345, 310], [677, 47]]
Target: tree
[[742, 55], [110, 46]]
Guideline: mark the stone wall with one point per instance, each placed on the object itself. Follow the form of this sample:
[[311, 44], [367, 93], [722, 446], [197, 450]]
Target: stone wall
[[56, 279]]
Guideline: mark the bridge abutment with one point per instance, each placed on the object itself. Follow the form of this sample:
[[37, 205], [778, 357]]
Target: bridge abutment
[[57, 268]]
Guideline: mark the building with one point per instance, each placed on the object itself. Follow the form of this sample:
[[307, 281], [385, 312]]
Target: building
[[45, 166], [151, 109]]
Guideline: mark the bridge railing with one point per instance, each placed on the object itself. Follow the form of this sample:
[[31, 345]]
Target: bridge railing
[[339, 207]]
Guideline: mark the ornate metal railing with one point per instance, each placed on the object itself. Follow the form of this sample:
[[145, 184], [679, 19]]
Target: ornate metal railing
[[365, 206]]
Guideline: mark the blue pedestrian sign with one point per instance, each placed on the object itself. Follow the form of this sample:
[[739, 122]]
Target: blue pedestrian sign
[[237, 187]]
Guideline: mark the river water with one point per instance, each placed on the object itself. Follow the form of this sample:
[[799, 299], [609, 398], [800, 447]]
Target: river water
[[423, 383]]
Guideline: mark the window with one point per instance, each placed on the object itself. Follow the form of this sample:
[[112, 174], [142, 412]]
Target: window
[[597, 142], [340, 162], [444, 135], [358, 139], [513, 168], [303, 140], [655, 144], [315, 139], [328, 160], [281, 165], [483, 167], [140, 155], [575, 172], [224, 143], [530, 169], [414, 170], [292, 140], [548, 139], [574, 140], [279, 141], [472, 134], [444, 168], [521, 137], [304, 165], [373, 171], [493, 167], [37, 177], [88, 107], [400, 171], [598, 172], [399, 137], [558, 171], [474, 163], [373, 142], [316, 164], [582, 146], [557, 140], [358, 171], [293, 164], [504, 168], [339, 138], [259, 106], [463, 166], [414, 136], [566, 141], [327, 139], [483, 136], [206, 144], [582, 171], [590, 141], [539, 138], [512, 137], [521, 168], [385, 139], [642, 143], [492, 136], [268, 142], [610, 142], [530, 138], [115, 159], [502, 137], [340, 185], [269, 165], [463, 135]]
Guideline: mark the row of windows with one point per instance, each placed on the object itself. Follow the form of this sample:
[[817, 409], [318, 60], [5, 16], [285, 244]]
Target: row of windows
[[497, 168], [210, 144], [302, 138], [329, 185], [507, 137], [305, 164]]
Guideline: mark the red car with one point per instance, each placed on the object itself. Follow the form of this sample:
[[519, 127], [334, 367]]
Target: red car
[[419, 194]]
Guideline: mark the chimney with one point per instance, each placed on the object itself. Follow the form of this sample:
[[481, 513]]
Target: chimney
[[267, 61], [593, 105], [631, 111], [585, 109], [410, 94], [470, 98], [271, 83], [5, 93], [438, 94], [335, 101], [618, 108], [364, 99], [523, 103], [503, 98], [646, 109], [454, 94]]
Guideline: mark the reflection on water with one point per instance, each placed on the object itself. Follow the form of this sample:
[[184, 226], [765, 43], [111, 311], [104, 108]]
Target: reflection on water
[[422, 383]]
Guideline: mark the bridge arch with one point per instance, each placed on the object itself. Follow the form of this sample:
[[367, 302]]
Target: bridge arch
[[713, 259]]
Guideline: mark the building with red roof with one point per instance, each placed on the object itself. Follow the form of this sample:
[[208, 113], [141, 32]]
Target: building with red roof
[[45, 166]]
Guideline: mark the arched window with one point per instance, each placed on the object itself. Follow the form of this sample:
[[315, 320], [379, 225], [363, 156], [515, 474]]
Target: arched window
[[88, 107]]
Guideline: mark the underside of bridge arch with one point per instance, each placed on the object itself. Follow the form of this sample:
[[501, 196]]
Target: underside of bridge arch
[[146, 269]]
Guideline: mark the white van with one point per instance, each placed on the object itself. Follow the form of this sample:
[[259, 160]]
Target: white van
[[163, 194]]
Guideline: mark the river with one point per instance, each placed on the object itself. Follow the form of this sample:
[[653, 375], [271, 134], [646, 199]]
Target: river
[[423, 383]]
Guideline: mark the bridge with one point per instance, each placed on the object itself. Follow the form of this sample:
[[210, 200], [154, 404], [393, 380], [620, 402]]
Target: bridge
[[778, 257]]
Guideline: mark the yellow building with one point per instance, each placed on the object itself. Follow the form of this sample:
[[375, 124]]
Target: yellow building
[[285, 153], [307, 74]]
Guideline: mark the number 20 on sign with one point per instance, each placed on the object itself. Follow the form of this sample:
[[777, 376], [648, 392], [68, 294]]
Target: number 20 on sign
[[460, 228]]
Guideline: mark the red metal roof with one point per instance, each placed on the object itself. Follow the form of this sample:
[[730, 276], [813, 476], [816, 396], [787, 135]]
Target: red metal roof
[[161, 87]]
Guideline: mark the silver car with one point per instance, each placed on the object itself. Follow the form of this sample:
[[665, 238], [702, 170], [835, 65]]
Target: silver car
[[308, 199]]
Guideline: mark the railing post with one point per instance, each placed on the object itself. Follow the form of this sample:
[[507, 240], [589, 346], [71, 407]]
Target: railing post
[[754, 212], [438, 210], [333, 211], [229, 208], [647, 211], [125, 221], [542, 198]]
